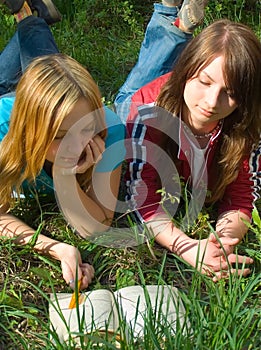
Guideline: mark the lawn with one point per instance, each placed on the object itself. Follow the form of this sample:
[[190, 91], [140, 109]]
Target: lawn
[[105, 37]]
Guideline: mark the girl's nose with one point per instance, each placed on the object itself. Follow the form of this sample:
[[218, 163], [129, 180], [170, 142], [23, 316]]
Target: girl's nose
[[212, 97], [76, 145]]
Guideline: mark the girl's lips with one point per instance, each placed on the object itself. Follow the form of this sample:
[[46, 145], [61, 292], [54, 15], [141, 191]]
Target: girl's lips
[[69, 161], [205, 112], [73, 161]]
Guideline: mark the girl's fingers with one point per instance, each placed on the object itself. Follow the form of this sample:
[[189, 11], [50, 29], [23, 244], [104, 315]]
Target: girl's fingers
[[223, 240], [227, 261], [225, 274], [87, 269], [87, 275], [94, 150], [89, 154], [227, 266], [240, 259], [99, 142], [97, 146], [223, 251], [223, 266]]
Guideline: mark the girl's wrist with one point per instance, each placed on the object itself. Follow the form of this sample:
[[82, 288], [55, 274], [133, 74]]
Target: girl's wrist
[[60, 249], [181, 244]]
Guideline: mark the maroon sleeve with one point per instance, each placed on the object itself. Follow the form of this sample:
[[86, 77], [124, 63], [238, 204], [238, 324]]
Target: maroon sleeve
[[242, 193]]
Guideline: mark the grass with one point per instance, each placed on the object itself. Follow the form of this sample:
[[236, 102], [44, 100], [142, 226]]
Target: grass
[[105, 38]]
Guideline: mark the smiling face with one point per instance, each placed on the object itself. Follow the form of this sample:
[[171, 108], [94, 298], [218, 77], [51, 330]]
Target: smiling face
[[78, 130], [207, 98]]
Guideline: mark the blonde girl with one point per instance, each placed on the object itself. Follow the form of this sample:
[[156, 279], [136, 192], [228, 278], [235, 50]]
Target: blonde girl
[[53, 95]]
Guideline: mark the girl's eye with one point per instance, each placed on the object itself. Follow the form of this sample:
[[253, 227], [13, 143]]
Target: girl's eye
[[203, 82], [88, 130]]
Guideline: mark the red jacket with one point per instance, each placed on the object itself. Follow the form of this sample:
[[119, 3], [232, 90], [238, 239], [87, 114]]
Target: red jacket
[[148, 165]]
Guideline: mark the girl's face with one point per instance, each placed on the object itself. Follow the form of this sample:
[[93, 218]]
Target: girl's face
[[207, 98], [78, 130]]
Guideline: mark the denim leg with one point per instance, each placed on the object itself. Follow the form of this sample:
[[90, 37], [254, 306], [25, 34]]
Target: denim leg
[[10, 66], [33, 38], [162, 44]]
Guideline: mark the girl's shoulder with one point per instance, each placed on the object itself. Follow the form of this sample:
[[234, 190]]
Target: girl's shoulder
[[149, 92], [6, 105], [116, 129], [114, 153]]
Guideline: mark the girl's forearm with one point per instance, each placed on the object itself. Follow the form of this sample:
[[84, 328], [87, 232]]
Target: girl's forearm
[[169, 236], [12, 227], [81, 209], [231, 224]]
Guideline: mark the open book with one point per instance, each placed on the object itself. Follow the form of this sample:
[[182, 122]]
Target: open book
[[128, 308]]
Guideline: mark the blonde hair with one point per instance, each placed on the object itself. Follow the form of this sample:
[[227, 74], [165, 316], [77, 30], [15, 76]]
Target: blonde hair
[[45, 94], [242, 73]]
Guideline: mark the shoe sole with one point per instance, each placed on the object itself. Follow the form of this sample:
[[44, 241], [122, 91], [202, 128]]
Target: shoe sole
[[192, 13], [55, 15]]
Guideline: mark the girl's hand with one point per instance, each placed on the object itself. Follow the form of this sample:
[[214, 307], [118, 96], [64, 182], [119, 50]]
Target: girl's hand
[[209, 257], [71, 262], [93, 153], [227, 244]]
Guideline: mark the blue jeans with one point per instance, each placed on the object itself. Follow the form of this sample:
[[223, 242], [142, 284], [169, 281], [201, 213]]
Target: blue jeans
[[162, 44], [33, 38]]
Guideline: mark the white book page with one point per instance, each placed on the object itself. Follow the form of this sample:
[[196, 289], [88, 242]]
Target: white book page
[[96, 310], [164, 300]]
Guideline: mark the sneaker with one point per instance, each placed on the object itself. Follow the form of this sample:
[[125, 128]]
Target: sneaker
[[192, 13], [13, 5], [45, 9]]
